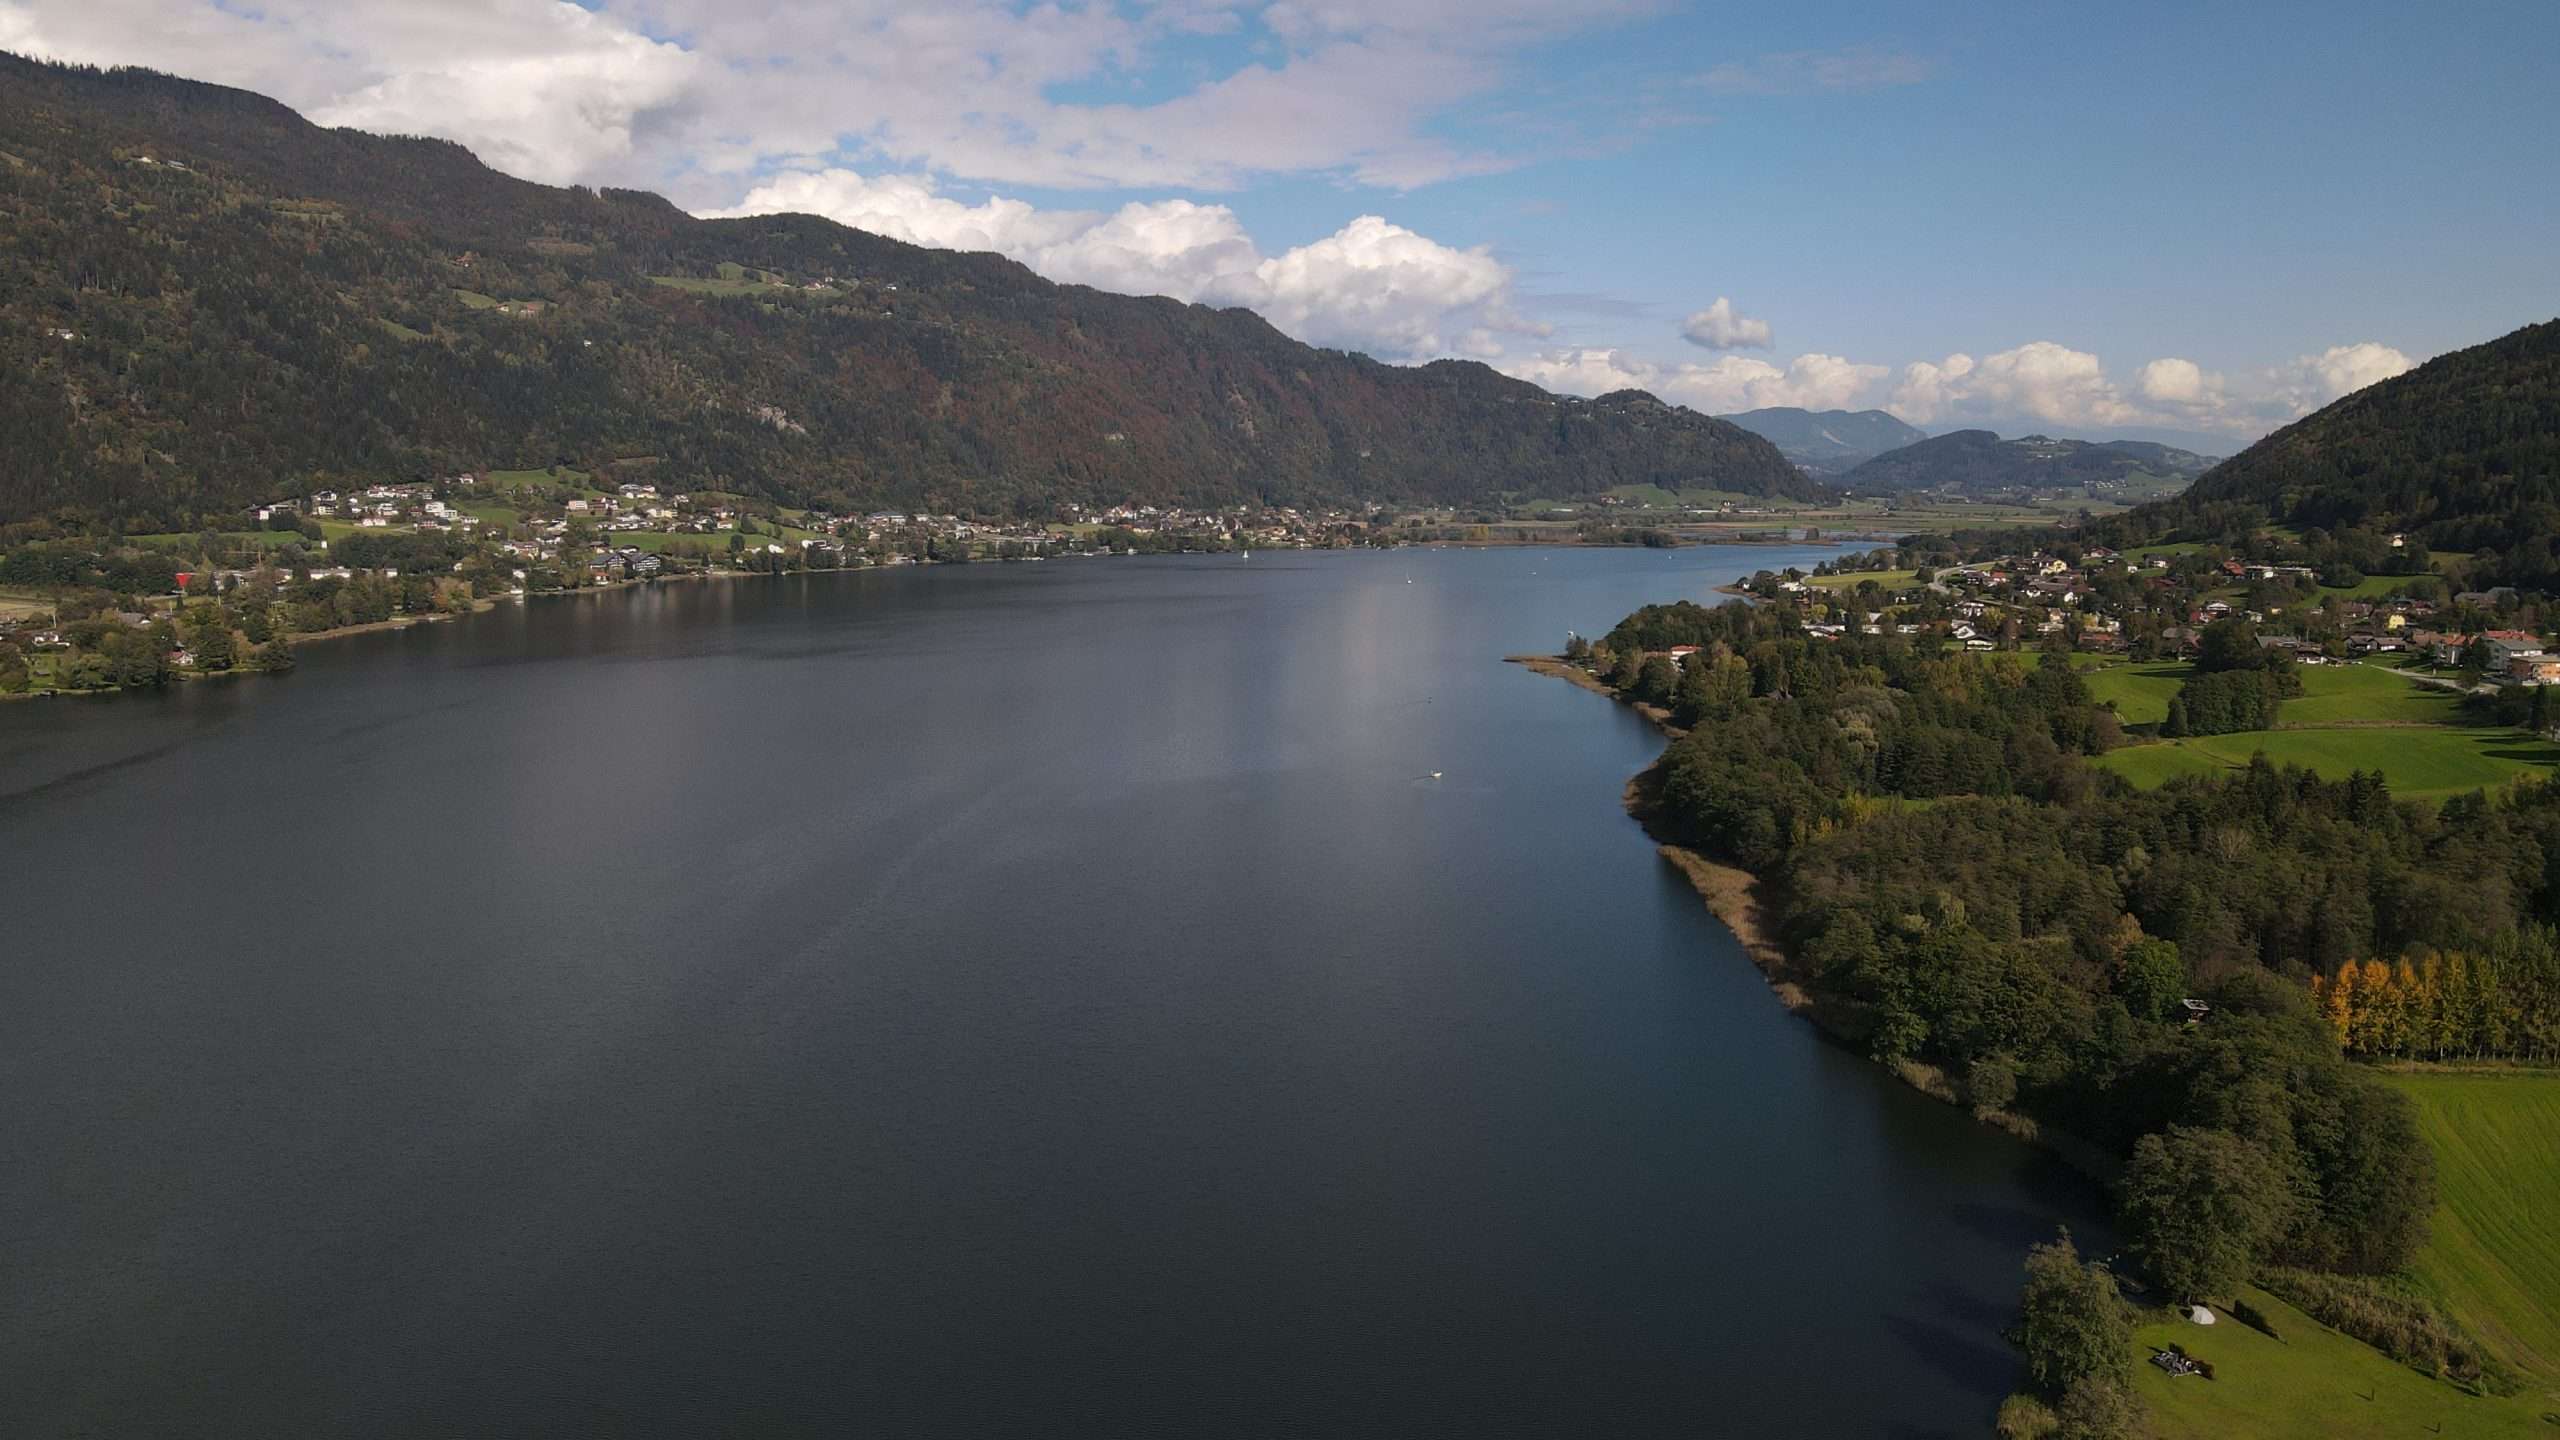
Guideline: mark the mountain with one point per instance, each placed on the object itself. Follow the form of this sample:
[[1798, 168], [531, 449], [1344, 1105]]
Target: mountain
[[206, 302], [1827, 442], [2201, 442], [1981, 464], [2462, 454]]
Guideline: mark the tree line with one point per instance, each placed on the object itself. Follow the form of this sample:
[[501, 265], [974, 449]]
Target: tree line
[[1965, 891]]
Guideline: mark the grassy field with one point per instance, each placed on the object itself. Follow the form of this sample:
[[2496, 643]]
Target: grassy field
[[473, 299], [2372, 587], [732, 279], [267, 538], [2314, 1384], [2419, 760], [1889, 579], [336, 530], [2332, 695], [2368, 694], [401, 331], [502, 516], [2141, 690], [2493, 1256]]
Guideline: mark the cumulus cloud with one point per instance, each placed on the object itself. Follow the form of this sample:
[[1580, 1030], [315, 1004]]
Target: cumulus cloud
[[690, 95], [2172, 381], [2341, 370], [2065, 388], [1371, 285], [2041, 380], [539, 88], [1718, 328], [1731, 383]]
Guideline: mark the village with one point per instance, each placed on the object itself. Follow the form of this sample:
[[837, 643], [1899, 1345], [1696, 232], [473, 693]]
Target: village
[[81, 614], [2208, 656], [2156, 603]]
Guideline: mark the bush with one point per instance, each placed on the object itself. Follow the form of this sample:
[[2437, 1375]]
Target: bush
[[2024, 1417], [1991, 1083], [2403, 1326]]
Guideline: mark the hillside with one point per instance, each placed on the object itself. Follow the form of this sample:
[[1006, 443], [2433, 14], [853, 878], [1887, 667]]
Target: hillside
[[1980, 463], [2462, 453], [207, 302], [1828, 442]]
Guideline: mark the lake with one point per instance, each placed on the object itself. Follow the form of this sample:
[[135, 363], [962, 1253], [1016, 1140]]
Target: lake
[[1033, 999]]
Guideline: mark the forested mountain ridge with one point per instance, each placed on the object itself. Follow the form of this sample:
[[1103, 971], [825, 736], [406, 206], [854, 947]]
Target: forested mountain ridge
[[2462, 453], [208, 302], [1828, 442], [1978, 462]]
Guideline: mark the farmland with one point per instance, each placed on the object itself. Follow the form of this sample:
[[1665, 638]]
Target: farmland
[[2419, 761], [2140, 691], [2347, 718]]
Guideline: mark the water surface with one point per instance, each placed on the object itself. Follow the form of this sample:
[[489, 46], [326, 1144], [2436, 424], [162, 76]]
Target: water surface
[[1038, 999]]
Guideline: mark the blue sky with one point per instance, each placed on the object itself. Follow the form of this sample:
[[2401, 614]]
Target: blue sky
[[2199, 219]]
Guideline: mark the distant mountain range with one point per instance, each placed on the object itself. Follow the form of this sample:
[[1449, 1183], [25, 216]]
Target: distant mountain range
[[207, 302], [1828, 442], [1979, 464]]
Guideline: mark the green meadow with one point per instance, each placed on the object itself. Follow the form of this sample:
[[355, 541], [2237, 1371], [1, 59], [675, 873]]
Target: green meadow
[[2140, 690], [732, 279], [2419, 761], [2347, 718], [2313, 1384], [2367, 695], [2371, 587], [1888, 579], [2492, 1257]]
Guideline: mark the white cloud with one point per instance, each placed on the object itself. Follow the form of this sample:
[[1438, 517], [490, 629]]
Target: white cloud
[[1718, 328], [1731, 383], [2055, 385], [2172, 381], [1371, 285], [539, 88], [2341, 370], [1798, 72], [692, 95], [2040, 380]]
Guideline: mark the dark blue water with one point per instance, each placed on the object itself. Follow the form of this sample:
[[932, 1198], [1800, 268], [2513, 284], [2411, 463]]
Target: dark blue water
[[1042, 999]]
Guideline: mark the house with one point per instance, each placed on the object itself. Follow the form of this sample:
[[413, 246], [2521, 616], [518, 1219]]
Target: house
[[2508, 646], [2534, 670], [1680, 654]]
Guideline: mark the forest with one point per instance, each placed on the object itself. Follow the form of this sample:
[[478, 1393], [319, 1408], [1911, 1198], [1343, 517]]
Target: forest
[[210, 303], [1963, 891]]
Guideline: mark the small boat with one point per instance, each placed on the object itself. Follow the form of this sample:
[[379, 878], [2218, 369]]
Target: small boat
[[1435, 774]]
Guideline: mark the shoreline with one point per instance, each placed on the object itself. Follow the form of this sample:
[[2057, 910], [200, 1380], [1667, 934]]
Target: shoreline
[[1735, 897]]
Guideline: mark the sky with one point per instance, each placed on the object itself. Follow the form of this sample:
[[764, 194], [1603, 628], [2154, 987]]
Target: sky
[[2194, 220]]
